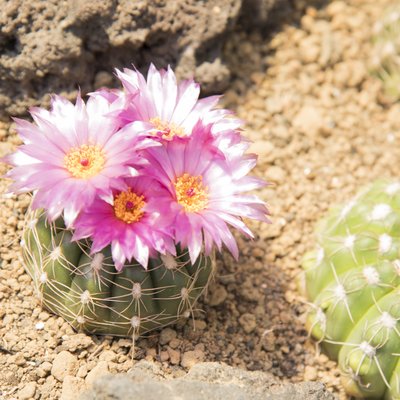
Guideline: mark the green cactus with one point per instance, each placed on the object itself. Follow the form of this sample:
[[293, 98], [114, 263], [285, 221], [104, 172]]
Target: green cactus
[[353, 282], [385, 62], [88, 292]]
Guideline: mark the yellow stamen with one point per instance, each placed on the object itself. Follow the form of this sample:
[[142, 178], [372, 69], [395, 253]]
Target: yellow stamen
[[168, 129], [128, 206], [191, 193], [85, 161]]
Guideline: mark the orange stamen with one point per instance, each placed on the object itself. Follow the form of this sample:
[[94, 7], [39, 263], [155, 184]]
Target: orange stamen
[[191, 193]]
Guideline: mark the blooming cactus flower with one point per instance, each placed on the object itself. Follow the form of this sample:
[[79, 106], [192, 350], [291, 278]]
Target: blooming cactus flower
[[141, 170], [165, 109], [71, 154], [206, 191], [136, 222]]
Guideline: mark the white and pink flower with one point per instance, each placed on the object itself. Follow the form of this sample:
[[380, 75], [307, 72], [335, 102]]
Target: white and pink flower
[[72, 154], [207, 192], [166, 109], [136, 222]]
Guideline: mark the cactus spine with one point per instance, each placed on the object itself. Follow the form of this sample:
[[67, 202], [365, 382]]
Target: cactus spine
[[88, 292], [353, 281]]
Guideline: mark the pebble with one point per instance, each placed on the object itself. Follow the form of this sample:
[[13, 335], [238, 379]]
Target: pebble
[[218, 296], [82, 371], [313, 104], [275, 174], [309, 120], [99, 370], [166, 335], [174, 356], [248, 322], [310, 373], [72, 388], [77, 342], [64, 364], [174, 343], [107, 355], [164, 356], [190, 358], [198, 324], [46, 366], [18, 359], [27, 391]]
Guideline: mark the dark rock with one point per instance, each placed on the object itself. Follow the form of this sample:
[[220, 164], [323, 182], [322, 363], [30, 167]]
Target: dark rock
[[60, 46]]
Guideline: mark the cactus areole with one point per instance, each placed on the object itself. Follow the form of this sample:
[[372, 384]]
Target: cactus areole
[[353, 281]]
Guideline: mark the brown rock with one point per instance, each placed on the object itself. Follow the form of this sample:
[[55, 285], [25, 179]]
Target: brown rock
[[28, 391], [248, 322], [190, 358], [218, 296], [166, 335], [309, 120], [72, 388], [174, 356], [64, 364]]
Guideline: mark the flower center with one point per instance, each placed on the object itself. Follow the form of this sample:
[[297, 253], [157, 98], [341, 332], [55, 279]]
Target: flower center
[[191, 193], [85, 161], [167, 130], [128, 206]]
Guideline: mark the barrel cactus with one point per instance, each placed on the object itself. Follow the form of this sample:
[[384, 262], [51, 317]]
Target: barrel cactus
[[133, 192], [352, 279], [385, 61], [93, 296]]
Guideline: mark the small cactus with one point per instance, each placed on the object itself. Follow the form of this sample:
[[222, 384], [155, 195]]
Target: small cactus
[[133, 191], [385, 63], [88, 292], [353, 281]]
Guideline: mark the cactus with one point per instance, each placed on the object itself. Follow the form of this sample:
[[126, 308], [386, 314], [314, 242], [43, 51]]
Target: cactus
[[88, 292], [352, 279], [385, 63], [133, 192]]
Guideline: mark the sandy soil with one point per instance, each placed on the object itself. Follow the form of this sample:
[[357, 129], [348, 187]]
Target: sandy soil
[[322, 129]]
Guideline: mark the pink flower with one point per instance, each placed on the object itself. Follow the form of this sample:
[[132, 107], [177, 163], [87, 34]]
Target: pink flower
[[136, 222], [207, 192], [165, 109], [71, 154]]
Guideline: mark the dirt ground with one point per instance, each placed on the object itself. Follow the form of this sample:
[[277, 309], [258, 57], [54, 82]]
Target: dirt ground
[[322, 129]]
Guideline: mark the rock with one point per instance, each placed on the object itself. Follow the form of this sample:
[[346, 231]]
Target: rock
[[275, 174], [28, 391], [166, 335], [218, 296], [98, 371], [174, 356], [19, 359], [310, 373], [206, 380], [54, 46], [190, 358], [64, 364], [248, 322], [77, 342], [309, 120], [72, 387], [107, 355]]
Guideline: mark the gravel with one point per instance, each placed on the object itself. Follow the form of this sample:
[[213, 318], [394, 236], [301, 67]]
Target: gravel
[[321, 131]]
